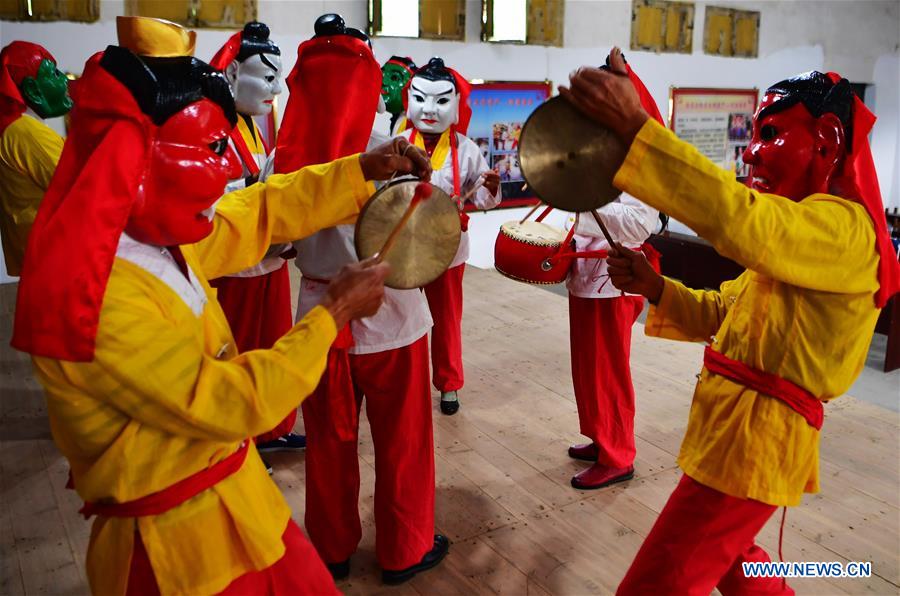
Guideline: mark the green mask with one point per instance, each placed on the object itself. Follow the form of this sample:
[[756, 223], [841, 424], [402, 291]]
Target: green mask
[[393, 79], [48, 93]]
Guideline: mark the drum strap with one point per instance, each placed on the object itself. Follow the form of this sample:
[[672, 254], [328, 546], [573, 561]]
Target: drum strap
[[439, 156]]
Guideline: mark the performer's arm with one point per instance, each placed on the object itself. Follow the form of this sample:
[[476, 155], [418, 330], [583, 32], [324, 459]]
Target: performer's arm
[[823, 243], [160, 373], [284, 208], [690, 315], [628, 221]]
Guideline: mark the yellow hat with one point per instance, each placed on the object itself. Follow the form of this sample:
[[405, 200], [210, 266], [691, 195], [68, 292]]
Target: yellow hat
[[156, 38]]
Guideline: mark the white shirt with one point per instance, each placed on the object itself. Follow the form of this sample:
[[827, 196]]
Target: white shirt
[[471, 166], [159, 262], [629, 222], [403, 317]]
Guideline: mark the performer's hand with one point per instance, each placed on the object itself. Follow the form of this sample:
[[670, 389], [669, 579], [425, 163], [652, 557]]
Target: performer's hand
[[491, 181], [395, 157], [607, 97], [356, 292], [630, 272]]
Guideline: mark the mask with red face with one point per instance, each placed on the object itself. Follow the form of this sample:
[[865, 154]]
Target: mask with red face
[[144, 156], [186, 173], [799, 136]]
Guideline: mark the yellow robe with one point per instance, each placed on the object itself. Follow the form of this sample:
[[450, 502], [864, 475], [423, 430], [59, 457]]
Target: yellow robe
[[29, 151], [804, 310], [167, 395]]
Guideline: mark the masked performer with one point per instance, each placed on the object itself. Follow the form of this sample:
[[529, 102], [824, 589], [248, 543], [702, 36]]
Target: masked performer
[[395, 74], [600, 322], [383, 358], [787, 335], [31, 89], [438, 109], [256, 301], [148, 396]]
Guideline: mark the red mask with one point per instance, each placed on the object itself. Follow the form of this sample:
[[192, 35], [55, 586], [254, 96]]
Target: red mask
[[791, 153], [186, 174]]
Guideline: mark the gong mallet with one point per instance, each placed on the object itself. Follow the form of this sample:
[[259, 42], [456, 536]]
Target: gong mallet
[[422, 192], [612, 244]]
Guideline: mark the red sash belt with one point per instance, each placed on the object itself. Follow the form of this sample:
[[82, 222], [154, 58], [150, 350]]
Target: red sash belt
[[169, 498], [796, 397]]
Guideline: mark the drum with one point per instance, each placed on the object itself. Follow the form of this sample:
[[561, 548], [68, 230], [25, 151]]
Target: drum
[[524, 250]]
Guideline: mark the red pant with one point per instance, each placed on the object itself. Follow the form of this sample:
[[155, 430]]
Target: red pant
[[445, 299], [299, 571], [398, 404], [600, 341], [698, 543], [258, 310]]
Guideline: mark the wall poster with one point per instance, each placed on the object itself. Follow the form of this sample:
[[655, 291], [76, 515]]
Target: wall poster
[[499, 110], [715, 121]]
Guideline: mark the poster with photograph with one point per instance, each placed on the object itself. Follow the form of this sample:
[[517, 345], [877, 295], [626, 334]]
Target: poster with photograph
[[715, 121], [499, 110]]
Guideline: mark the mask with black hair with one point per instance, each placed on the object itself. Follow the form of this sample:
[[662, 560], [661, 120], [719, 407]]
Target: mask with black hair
[[801, 135], [252, 65], [434, 98]]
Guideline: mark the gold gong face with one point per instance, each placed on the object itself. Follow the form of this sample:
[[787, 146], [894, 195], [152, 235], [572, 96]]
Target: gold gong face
[[425, 246], [567, 159]]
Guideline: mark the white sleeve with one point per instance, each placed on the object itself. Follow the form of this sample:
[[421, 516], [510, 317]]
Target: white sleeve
[[628, 220]]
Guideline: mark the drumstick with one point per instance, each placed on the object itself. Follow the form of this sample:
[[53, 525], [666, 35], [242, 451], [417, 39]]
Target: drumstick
[[422, 192], [612, 244], [471, 192], [530, 213]]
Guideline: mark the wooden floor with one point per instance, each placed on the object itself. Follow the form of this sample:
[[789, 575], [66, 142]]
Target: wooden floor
[[503, 494]]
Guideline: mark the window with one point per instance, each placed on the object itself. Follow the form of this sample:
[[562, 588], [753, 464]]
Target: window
[[86, 11], [228, 14], [662, 26], [430, 19], [538, 22], [731, 32]]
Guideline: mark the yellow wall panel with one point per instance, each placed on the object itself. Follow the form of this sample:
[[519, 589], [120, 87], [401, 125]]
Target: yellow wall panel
[[718, 34], [442, 19]]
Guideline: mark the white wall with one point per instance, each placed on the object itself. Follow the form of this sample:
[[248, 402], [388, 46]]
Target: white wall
[[858, 38]]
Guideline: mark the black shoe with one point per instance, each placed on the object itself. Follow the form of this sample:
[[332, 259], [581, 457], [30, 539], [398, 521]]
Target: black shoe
[[269, 469], [340, 570], [449, 407], [288, 442], [431, 559]]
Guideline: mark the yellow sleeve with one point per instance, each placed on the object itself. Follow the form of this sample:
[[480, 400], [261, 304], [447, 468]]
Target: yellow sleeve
[[691, 315], [33, 148], [158, 373], [822, 242], [285, 208]]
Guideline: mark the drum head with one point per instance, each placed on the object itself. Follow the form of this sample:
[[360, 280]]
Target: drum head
[[426, 244], [568, 160]]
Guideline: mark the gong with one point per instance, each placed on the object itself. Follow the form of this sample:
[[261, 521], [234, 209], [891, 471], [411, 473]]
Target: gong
[[425, 245], [568, 160]]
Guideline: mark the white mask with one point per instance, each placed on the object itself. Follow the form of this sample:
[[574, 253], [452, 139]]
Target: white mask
[[433, 105], [255, 82]]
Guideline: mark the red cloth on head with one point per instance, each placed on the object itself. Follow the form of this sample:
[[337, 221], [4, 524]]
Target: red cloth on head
[[858, 175], [227, 53], [18, 60], [73, 242], [465, 110], [646, 99], [334, 87]]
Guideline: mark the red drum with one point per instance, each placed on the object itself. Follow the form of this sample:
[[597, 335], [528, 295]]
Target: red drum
[[523, 252]]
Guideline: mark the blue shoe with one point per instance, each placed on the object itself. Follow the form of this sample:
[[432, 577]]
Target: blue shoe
[[288, 442]]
